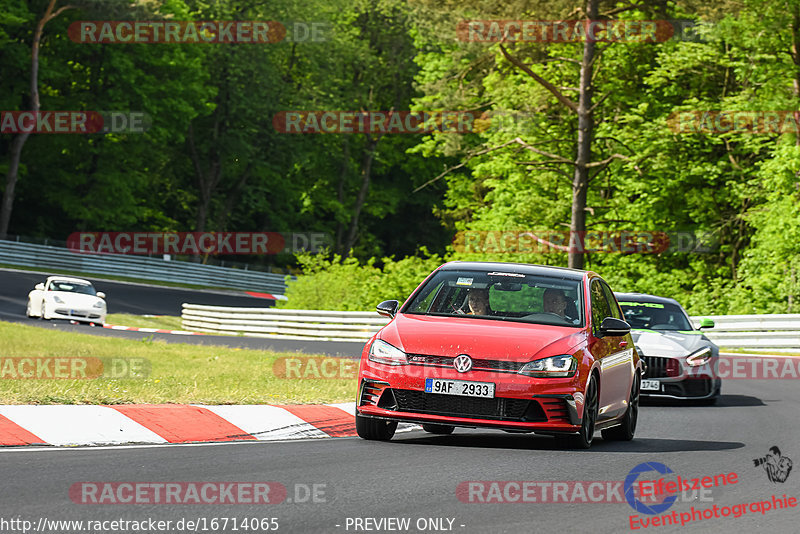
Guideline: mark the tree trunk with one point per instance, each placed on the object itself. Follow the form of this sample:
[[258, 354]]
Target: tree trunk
[[339, 246], [580, 181], [366, 174], [19, 141]]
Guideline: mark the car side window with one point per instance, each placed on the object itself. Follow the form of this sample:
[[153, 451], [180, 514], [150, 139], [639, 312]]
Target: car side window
[[600, 307], [612, 302]]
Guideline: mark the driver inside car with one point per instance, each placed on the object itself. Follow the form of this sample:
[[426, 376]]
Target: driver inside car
[[555, 302], [478, 301]]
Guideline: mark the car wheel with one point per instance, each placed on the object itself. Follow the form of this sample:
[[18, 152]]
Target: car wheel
[[438, 429], [375, 429], [583, 439], [627, 429], [28, 312], [43, 311]]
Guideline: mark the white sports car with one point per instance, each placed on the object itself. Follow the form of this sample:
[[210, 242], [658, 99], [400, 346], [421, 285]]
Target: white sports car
[[61, 297]]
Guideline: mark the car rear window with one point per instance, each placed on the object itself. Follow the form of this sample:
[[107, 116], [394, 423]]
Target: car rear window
[[511, 297]]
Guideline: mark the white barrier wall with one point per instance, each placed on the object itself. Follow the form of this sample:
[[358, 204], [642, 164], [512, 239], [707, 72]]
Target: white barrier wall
[[743, 331], [284, 324]]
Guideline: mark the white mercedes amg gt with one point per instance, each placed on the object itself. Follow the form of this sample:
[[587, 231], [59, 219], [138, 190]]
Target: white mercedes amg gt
[[61, 297]]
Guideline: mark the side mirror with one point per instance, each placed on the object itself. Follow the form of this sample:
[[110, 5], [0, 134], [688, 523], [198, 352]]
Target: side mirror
[[611, 326], [388, 308], [101, 295], [39, 286], [705, 322]]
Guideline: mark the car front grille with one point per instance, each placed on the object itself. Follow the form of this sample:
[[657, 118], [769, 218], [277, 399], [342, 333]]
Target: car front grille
[[72, 313], [660, 367], [504, 366], [522, 410], [693, 387]]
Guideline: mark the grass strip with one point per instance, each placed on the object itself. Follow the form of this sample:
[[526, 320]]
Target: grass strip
[[178, 373]]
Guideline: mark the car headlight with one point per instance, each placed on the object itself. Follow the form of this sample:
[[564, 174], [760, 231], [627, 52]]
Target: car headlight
[[99, 304], [553, 367], [382, 352], [57, 299], [701, 357]]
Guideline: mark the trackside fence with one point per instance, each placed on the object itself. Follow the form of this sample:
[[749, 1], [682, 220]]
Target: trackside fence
[[778, 331], [47, 257], [742, 331], [283, 324]]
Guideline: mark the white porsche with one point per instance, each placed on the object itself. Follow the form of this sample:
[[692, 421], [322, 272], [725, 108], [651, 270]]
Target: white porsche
[[61, 297]]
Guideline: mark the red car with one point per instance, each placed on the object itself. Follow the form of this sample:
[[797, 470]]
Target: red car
[[508, 346]]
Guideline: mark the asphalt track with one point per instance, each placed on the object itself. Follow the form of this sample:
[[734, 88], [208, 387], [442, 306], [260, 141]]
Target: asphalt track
[[416, 475], [141, 299]]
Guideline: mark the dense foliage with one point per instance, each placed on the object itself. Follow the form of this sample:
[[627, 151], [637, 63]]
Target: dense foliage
[[213, 161]]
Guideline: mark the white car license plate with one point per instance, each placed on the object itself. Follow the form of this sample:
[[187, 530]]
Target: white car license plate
[[651, 385], [459, 387]]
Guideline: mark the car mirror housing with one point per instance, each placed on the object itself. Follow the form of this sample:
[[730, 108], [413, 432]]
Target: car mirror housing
[[388, 308], [101, 295], [611, 326], [39, 286], [705, 322]]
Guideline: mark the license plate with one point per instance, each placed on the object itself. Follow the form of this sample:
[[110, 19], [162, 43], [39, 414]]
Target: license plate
[[651, 385], [459, 387]]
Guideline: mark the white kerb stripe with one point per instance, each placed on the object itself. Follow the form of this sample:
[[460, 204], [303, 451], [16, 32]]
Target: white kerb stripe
[[267, 423], [79, 425]]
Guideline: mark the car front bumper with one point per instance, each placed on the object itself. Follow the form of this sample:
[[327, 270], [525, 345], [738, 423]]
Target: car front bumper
[[91, 315], [678, 381], [520, 403]]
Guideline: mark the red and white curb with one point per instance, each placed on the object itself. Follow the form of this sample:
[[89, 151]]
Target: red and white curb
[[154, 330], [269, 296], [75, 425]]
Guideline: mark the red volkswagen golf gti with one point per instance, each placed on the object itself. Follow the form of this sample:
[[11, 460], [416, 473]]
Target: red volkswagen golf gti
[[515, 347]]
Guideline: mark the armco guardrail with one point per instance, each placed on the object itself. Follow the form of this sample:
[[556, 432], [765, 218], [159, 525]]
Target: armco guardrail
[[778, 331], [45, 257], [743, 331], [284, 324]]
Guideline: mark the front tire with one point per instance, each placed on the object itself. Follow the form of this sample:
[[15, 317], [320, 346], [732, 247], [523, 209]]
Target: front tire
[[627, 429], [443, 430], [583, 439], [42, 315], [28, 311], [375, 429]]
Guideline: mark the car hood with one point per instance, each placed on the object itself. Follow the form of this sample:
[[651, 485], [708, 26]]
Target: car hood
[[480, 338], [669, 343], [73, 299]]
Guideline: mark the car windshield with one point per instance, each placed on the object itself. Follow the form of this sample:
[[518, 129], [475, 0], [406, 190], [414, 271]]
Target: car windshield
[[506, 296], [655, 316], [72, 287]]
